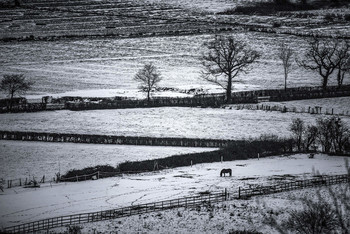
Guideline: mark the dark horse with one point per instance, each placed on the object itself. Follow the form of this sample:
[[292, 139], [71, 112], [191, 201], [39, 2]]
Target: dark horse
[[224, 171]]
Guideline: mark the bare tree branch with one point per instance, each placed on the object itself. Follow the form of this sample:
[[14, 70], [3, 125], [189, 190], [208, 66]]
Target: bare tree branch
[[148, 77], [225, 59], [15, 84]]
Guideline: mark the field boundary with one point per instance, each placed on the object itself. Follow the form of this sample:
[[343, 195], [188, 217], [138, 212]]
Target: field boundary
[[190, 201], [203, 100], [111, 139], [206, 100]]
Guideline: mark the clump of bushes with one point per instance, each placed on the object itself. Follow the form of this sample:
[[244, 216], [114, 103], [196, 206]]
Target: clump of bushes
[[331, 134], [9, 3], [316, 217]]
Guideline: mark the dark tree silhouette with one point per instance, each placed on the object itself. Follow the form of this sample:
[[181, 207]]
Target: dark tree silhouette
[[148, 77], [14, 84], [285, 55], [321, 57], [343, 61], [225, 59]]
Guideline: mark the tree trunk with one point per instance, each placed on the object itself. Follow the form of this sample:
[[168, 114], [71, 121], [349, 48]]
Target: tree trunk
[[11, 101], [340, 78], [324, 82], [285, 79], [148, 96], [229, 88]]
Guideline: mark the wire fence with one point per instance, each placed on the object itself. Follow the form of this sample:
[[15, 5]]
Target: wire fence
[[76, 219], [28, 181]]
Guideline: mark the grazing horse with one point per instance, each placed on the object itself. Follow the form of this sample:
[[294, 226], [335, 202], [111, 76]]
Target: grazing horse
[[224, 171]]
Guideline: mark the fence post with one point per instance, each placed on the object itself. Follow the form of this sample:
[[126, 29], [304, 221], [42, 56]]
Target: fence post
[[98, 174], [239, 192], [225, 194]]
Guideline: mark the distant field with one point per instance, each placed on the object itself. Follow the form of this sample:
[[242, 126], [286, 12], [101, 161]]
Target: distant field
[[159, 122], [78, 65], [26, 159]]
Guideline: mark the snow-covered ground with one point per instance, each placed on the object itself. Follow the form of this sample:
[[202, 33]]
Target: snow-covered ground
[[220, 218], [20, 205], [214, 123], [20, 159], [71, 67]]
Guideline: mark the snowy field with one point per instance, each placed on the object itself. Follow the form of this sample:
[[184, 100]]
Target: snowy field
[[157, 122], [107, 66], [216, 123], [71, 198], [217, 218], [20, 159]]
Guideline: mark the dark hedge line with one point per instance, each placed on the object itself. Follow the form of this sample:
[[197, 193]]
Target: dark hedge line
[[272, 7], [237, 150]]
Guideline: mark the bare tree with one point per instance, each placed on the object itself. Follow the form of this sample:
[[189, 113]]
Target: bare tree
[[148, 77], [14, 84], [325, 133], [310, 136], [298, 127], [321, 57], [285, 55], [343, 61], [340, 134], [225, 59]]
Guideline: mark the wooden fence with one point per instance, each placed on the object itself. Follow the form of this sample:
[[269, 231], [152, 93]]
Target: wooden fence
[[109, 139], [76, 219], [300, 184]]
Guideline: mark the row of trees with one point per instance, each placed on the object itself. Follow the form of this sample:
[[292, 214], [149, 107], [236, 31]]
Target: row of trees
[[227, 56], [332, 134]]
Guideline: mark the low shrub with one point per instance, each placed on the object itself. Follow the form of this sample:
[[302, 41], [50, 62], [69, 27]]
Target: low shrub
[[317, 217]]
